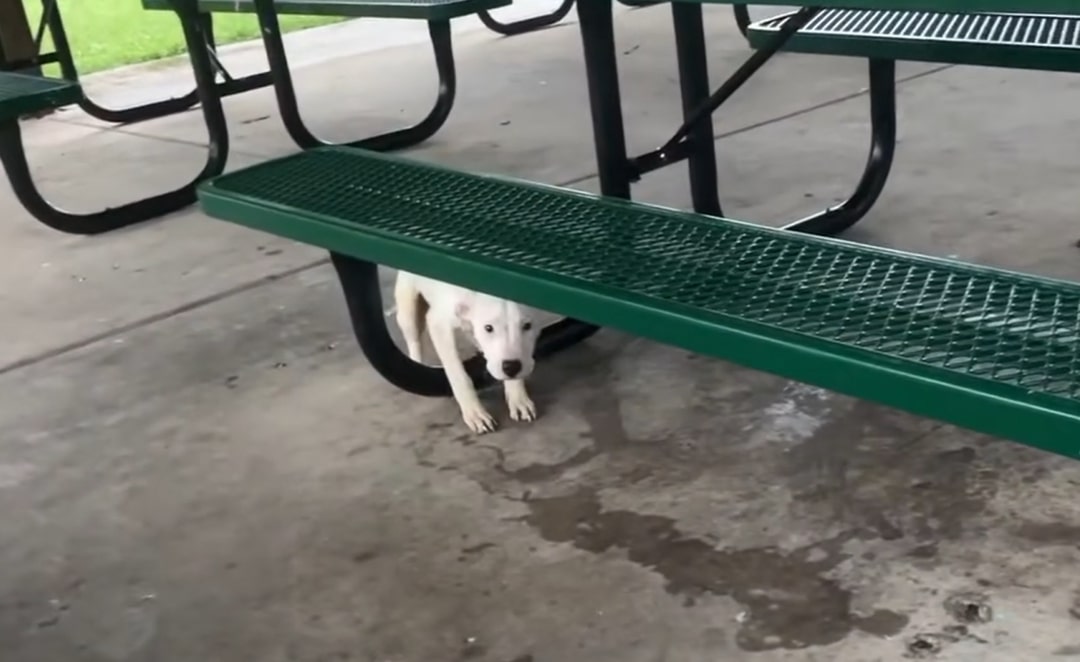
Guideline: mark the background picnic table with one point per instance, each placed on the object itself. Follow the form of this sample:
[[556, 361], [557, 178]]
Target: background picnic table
[[136, 35]]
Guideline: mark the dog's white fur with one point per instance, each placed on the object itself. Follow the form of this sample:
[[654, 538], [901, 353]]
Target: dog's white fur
[[504, 331]]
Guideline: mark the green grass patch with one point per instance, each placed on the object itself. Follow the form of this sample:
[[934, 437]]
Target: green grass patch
[[105, 34]]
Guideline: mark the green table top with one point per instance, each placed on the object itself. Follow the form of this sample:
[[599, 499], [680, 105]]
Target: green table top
[[1071, 7]]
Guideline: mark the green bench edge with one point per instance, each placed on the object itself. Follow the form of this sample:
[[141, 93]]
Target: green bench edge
[[23, 94], [1034, 57]]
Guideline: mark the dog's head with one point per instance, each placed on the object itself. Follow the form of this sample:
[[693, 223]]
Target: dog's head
[[504, 331]]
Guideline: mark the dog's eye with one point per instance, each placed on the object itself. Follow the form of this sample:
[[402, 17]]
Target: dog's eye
[[489, 328], [526, 326]]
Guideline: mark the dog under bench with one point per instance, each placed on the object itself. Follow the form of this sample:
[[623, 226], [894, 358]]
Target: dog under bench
[[986, 349]]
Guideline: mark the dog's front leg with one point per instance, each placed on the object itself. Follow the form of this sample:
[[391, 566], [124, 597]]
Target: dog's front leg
[[476, 417], [411, 314], [518, 401]]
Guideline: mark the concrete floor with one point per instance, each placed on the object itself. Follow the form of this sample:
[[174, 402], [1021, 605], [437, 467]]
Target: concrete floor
[[197, 464]]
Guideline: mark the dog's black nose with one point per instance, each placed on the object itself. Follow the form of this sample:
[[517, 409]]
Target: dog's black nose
[[511, 368]]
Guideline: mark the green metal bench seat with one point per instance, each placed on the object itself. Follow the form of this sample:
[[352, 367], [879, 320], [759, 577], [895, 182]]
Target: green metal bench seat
[[431, 10], [986, 349], [21, 94], [1024, 41]]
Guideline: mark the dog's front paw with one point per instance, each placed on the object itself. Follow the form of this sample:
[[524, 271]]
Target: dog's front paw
[[478, 419], [521, 406]]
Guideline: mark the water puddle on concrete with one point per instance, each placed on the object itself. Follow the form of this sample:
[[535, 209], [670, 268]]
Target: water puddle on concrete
[[788, 602]]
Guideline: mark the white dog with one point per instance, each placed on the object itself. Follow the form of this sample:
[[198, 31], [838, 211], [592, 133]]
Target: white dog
[[504, 331]]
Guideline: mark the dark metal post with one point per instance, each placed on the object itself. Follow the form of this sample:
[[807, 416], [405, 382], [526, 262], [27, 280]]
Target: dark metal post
[[527, 24], [694, 86], [605, 103], [285, 92], [742, 18], [835, 220], [743, 74]]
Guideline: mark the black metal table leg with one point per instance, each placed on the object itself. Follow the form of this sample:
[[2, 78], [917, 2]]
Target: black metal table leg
[[290, 112], [119, 116], [694, 140], [153, 109], [363, 298], [742, 18], [830, 221], [741, 75], [835, 220], [605, 101], [13, 157], [694, 87], [527, 24]]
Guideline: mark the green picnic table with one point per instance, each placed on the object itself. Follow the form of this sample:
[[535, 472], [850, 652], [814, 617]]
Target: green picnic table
[[991, 350], [23, 93], [987, 349]]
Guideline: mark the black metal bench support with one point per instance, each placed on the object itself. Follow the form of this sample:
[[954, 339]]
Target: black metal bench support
[[13, 157], [694, 86], [153, 109], [526, 24], [694, 141], [742, 18], [538, 22], [835, 220], [290, 112], [605, 99], [129, 115]]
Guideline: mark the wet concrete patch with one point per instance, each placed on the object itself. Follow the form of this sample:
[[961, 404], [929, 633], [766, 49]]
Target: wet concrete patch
[[969, 607], [903, 491], [790, 602], [1049, 533], [859, 469], [929, 644], [722, 422]]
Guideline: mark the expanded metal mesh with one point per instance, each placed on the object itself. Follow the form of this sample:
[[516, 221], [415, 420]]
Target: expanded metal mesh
[[988, 29], [986, 324]]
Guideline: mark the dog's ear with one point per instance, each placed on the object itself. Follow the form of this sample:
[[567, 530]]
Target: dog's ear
[[462, 309]]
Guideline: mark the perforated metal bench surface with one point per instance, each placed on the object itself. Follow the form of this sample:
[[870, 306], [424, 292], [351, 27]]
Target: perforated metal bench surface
[[432, 10], [999, 6], [986, 349], [24, 95], [1024, 41]]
